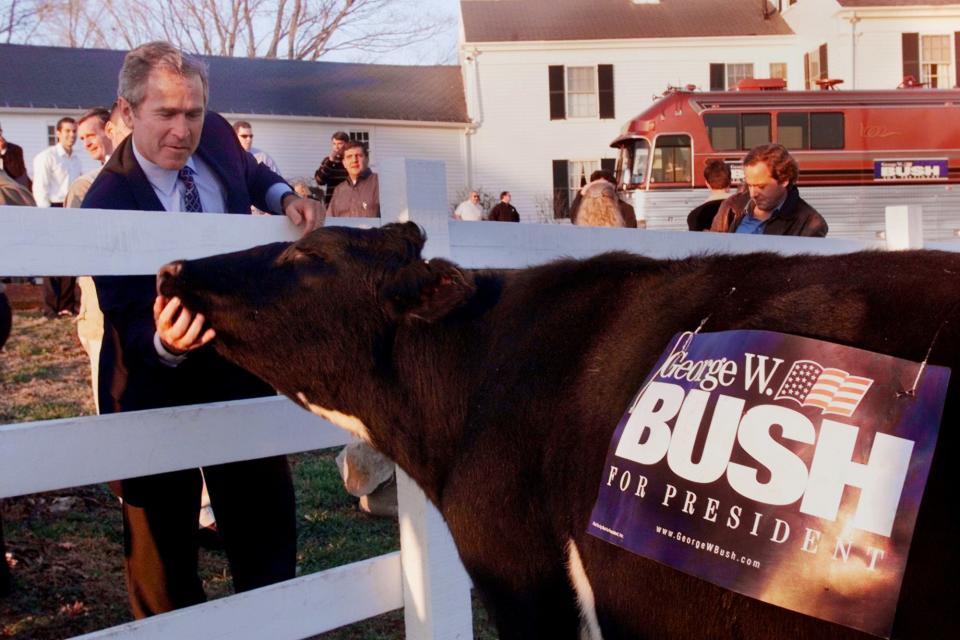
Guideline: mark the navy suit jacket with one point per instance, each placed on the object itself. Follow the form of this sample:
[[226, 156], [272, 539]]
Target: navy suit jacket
[[132, 376]]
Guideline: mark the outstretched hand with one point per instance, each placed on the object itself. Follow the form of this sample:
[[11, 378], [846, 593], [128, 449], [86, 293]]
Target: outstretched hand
[[180, 330]]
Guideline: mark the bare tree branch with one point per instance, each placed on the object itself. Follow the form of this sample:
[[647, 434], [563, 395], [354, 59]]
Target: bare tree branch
[[295, 29]]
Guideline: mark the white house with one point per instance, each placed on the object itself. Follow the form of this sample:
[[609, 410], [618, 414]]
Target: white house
[[549, 83], [415, 112]]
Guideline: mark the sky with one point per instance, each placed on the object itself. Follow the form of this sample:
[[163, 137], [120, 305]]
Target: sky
[[442, 50]]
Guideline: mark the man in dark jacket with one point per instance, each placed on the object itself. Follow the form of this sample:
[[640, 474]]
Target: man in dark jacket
[[504, 211], [331, 171], [774, 206], [155, 352]]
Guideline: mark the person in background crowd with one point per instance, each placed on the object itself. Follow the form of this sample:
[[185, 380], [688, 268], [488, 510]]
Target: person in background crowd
[[717, 174], [54, 169], [244, 131], [504, 211], [627, 213], [599, 205], [331, 171], [469, 209], [12, 163], [101, 132], [359, 195], [774, 206], [156, 352]]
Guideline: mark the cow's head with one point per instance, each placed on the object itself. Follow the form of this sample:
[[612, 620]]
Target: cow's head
[[312, 317]]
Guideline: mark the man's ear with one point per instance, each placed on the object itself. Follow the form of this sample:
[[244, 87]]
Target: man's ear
[[126, 112], [427, 290]]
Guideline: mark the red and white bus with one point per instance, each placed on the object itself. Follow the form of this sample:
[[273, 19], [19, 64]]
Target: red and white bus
[[839, 138]]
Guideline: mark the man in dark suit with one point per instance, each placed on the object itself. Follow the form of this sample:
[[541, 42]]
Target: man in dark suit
[[156, 353]]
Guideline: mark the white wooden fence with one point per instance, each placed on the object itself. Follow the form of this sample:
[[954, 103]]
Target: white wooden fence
[[425, 577]]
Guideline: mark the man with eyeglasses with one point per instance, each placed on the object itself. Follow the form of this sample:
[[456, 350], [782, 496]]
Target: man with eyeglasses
[[244, 131], [470, 208]]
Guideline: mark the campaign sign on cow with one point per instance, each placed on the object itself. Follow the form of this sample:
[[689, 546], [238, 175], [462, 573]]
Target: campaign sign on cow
[[784, 468]]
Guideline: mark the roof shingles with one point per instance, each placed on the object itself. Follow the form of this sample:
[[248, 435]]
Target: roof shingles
[[81, 78], [552, 20]]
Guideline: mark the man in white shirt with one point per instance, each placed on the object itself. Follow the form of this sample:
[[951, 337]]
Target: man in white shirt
[[54, 169], [470, 208]]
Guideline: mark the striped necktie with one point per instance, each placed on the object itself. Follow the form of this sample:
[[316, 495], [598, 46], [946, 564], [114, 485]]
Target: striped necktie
[[191, 197]]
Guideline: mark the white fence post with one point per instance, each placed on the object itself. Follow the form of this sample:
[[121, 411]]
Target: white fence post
[[436, 589], [904, 226]]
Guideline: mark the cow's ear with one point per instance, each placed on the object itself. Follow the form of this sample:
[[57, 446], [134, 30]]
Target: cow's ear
[[427, 290]]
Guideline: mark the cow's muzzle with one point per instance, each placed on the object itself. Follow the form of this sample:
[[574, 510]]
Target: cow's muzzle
[[166, 276]]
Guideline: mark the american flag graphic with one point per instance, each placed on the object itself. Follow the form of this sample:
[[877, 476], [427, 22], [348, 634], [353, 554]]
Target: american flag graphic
[[831, 390]]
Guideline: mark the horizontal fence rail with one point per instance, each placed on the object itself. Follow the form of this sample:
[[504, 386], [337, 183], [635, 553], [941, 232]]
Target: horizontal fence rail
[[425, 576]]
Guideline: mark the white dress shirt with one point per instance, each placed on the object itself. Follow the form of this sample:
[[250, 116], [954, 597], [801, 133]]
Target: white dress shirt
[[468, 210], [170, 192], [53, 171]]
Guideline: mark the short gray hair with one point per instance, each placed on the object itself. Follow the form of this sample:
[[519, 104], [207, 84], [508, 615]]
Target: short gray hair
[[139, 62]]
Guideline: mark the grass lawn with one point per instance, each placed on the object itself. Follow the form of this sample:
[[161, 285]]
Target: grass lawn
[[65, 547]]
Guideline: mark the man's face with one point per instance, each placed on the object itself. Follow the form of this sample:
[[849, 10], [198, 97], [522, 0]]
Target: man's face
[[474, 197], [67, 135], [336, 147], [506, 198], [764, 190], [246, 137], [94, 138], [3, 141], [355, 161], [166, 125]]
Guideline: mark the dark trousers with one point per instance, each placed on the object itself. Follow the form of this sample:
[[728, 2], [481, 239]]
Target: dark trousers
[[253, 502], [60, 294]]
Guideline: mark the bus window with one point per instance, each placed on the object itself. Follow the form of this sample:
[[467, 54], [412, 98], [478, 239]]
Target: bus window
[[723, 130], [756, 129], [792, 130], [826, 131], [672, 161], [632, 166]]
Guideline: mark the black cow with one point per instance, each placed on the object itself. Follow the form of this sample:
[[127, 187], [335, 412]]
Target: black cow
[[498, 392]]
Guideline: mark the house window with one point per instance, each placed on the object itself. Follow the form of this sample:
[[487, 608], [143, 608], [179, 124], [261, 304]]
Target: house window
[[815, 66], [778, 70], [569, 176], [51, 134], [725, 76], [935, 61], [581, 92], [363, 137]]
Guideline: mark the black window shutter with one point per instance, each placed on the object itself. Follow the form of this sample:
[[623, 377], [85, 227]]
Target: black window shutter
[[956, 57], [911, 55], [718, 76], [806, 71], [609, 164], [605, 81], [561, 193], [558, 107], [823, 62]]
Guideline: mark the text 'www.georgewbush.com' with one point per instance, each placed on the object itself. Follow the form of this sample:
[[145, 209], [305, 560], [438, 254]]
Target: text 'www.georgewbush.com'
[[709, 547]]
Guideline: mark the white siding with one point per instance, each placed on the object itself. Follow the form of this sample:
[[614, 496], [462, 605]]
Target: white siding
[[297, 145]]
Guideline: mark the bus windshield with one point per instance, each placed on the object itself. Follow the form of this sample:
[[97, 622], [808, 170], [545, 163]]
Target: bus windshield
[[633, 162]]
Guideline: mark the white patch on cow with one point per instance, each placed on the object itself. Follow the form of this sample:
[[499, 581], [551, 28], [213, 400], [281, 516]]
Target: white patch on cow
[[589, 625], [351, 424]]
